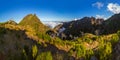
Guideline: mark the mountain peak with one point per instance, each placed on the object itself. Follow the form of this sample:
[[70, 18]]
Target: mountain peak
[[33, 21], [31, 17]]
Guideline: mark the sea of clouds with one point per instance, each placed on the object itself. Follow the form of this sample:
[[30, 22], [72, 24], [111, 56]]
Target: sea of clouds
[[52, 24]]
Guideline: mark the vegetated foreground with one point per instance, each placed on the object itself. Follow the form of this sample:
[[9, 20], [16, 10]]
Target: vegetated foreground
[[31, 40]]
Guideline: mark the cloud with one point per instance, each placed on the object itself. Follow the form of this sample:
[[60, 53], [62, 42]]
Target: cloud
[[99, 5], [101, 17], [51, 24], [114, 8]]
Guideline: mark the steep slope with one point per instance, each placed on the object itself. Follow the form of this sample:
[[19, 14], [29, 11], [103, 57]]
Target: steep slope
[[112, 24], [16, 44], [34, 22], [12, 42]]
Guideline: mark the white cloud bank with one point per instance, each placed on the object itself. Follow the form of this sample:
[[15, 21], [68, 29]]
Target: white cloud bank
[[51, 24], [99, 5], [114, 8]]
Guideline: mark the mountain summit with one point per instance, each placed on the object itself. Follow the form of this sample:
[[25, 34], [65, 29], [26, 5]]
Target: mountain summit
[[33, 21]]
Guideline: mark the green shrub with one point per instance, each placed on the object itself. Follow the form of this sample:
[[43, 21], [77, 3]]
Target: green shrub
[[45, 56], [118, 33], [104, 51], [80, 50], [39, 35], [58, 41], [89, 54], [114, 39], [34, 51], [25, 57], [45, 37], [88, 40]]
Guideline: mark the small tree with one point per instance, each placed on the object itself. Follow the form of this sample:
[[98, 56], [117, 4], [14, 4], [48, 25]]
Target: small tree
[[34, 51], [45, 56], [105, 51], [80, 50]]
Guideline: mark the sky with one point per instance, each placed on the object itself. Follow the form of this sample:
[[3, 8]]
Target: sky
[[57, 10]]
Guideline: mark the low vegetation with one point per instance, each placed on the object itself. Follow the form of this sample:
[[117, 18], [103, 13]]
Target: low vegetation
[[18, 42]]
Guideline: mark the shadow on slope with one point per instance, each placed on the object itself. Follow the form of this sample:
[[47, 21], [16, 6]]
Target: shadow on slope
[[16, 45]]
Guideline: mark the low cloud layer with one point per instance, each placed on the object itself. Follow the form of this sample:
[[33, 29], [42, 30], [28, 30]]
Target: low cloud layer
[[114, 8], [51, 24], [99, 5]]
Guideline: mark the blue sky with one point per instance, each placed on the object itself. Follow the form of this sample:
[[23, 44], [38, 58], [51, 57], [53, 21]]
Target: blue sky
[[55, 10]]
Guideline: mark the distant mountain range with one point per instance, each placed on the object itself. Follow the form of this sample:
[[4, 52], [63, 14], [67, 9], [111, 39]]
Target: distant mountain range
[[92, 25]]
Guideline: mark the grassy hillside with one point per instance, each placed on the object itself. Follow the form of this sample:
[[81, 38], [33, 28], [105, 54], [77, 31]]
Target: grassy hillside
[[17, 44], [34, 22], [28, 41]]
